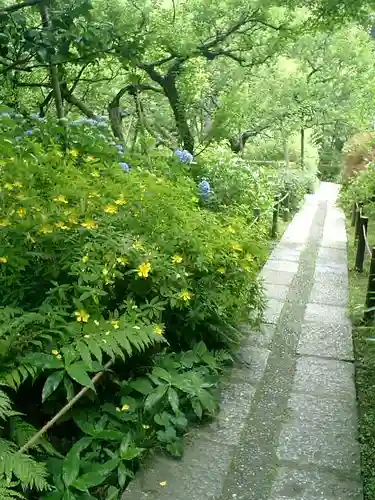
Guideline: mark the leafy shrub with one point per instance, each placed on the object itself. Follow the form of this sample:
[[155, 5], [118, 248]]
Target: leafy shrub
[[98, 265]]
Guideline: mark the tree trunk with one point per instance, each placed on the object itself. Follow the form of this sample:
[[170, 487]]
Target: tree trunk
[[179, 113]]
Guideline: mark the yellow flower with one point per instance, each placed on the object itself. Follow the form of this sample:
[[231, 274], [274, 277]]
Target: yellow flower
[[95, 173], [221, 270], [60, 199], [158, 330], [74, 153], [3, 260], [82, 316], [144, 269], [59, 356], [115, 324], [185, 295], [4, 223], [177, 259], [73, 219], [118, 409], [122, 260], [163, 483], [89, 224], [111, 209], [94, 194], [96, 322], [85, 259], [87, 336], [137, 245], [21, 212], [145, 426], [8, 186], [17, 185], [237, 247], [121, 201], [125, 408], [45, 230], [61, 225], [55, 352]]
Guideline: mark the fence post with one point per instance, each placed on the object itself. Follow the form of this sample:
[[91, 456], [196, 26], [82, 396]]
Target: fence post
[[256, 213], [370, 296], [354, 213], [358, 213], [286, 208], [361, 247], [275, 215]]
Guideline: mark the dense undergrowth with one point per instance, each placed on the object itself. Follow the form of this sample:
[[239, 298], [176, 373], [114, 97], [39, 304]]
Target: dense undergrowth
[[361, 188], [140, 268]]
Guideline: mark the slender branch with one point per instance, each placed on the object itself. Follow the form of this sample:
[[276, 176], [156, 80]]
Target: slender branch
[[18, 6], [34, 439]]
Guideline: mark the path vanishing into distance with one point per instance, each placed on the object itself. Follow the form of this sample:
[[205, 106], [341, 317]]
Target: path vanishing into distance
[[288, 425]]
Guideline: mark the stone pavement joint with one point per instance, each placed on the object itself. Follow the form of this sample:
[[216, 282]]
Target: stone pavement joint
[[288, 425]]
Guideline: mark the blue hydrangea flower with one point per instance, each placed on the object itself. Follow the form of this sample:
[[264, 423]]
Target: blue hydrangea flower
[[29, 132], [184, 156], [124, 166], [204, 189]]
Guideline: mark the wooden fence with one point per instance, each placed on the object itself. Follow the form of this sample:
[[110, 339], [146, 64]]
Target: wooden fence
[[360, 222]]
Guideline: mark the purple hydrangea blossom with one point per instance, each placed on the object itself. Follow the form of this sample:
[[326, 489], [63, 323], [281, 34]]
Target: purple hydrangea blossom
[[204, 189], [184, 156], [124, 166]]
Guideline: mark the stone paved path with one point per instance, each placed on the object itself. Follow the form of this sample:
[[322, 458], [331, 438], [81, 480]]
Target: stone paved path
[[288, 425]]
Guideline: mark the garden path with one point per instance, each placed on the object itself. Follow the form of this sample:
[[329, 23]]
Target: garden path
[[288, 425]]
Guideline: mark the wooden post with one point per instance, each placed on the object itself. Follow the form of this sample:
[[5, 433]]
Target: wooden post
[[275, 215], [302, 148], [370, 296], [354, 213], [357, 220], [361, 247], [286, 209], [256, 213]]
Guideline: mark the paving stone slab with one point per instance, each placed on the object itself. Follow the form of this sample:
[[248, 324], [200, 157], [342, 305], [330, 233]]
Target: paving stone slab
[[278, 292], [332, 278], [260, 337], [277, 277], [325, 377], [286, 254], [332, 267], [326, 339], [327, 293], [296, 484], [273, 311], [252, 361], [319, 313], [197, 476], [281, 265], [235, 403], [321, 431], [329, 255]]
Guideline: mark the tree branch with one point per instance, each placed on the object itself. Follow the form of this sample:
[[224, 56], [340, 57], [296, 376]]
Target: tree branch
[[18, 6]]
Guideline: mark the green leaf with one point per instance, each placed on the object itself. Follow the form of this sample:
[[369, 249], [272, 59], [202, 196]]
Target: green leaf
[[153, 398], [70, 468], [112, 493], [95, 349], [97, 475], [207, 401], [51, 384], [173, 399], [77, 371], [161, 373], [197, 407], [142, 385], [84, 351], [123, 473]]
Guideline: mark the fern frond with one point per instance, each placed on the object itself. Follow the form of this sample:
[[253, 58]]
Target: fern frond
[[6, 493], [23, 467], [5, 405], [18, 375], [21, 432]]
